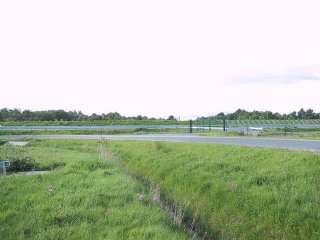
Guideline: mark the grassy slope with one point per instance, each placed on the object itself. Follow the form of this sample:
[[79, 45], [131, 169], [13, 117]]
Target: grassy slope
[[91, 131], [311, 135], [87, 197], [94, 123], [236, 192]]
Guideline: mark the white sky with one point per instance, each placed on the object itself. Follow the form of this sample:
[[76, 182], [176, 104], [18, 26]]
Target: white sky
[[156, 58]]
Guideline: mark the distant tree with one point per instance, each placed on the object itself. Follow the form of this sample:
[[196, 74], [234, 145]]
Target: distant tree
[[1, 117], [220, 115], [45, 116], [73, 115], [242, 114], [113, 116], [61, 115], [16, 114], [95, 117], [268, 115], [255, 115], [171, 117], [27, 115], [235, 115], [277, 116], [301, 114], [309, 114], [4, 114], [292, 116]]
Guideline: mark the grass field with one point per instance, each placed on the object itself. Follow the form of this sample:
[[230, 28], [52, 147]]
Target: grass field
[[222, 191], [234, 192], [85, 196]]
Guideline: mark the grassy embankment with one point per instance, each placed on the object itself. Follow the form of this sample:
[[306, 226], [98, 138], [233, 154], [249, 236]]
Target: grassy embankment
[[92, 131], [291, 133], [294, 132], [85, 196], [234, 192], [141, 127], [94, 123]]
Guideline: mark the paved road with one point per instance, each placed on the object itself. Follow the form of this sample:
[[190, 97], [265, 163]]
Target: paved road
[[312, 145]]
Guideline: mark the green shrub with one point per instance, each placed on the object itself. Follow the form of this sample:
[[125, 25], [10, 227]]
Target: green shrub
[[23, 164], [19, 160]]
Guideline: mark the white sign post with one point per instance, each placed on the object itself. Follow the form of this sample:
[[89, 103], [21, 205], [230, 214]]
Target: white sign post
[[4, 165]]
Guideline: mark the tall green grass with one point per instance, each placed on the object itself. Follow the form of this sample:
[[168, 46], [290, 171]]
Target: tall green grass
[[233, 192], [85, 196]]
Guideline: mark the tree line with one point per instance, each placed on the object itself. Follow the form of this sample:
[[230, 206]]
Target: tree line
[[241, 114], [16, 115]]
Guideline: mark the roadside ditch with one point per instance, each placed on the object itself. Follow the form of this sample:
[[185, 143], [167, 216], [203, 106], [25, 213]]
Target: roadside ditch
[[182, 216]]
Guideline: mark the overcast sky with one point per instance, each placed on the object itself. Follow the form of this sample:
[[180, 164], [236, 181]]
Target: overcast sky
[[157, 58]]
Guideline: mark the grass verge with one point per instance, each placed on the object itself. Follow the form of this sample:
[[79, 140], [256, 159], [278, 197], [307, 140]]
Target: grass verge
[[86, 196], [310, 135], [233, 192]]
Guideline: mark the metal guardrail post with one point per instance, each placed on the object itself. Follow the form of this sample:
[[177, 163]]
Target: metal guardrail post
[[190, 126], [202, 125], [285, 130], [4, 165]]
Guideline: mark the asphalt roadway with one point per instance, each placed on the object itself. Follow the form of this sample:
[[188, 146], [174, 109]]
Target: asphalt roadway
[[293, 144]]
